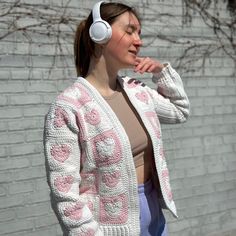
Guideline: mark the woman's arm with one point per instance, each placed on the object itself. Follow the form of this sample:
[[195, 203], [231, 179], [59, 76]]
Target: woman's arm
[[171, 101], [62, 152]]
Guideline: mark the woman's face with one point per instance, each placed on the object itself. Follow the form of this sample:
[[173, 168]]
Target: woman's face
[[122, 49]]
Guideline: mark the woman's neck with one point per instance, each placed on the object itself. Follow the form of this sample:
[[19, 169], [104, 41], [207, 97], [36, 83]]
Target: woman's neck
[[104, 79]]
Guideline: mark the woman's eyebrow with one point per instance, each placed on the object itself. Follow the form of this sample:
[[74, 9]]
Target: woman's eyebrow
[[134, 27]]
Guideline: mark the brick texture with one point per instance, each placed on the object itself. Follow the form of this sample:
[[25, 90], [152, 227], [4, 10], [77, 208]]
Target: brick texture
[[200, 153]]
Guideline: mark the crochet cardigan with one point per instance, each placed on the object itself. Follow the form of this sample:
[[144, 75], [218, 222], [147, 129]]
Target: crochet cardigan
[[89, 162]]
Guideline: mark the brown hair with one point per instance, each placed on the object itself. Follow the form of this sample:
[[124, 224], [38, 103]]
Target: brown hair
[[83, 45]]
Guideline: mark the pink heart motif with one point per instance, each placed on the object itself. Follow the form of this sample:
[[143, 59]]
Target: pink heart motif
[[111, 179], [142, 96], [76, 95], [106, 148], [63, 184], [60, 152], [74, 212], [114, 209], [93, 117], [61, 118], [84, 95]]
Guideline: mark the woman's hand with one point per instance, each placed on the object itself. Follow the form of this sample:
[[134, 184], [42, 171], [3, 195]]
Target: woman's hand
[[146, 64]]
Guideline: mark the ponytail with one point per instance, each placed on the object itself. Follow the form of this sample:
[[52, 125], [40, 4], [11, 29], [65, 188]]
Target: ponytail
[[83, 48]]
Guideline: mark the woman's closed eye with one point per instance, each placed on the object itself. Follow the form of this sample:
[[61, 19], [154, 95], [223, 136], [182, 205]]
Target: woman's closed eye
[[129, 31]]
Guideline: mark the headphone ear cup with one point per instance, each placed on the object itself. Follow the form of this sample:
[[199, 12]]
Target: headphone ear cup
[[100, 31]]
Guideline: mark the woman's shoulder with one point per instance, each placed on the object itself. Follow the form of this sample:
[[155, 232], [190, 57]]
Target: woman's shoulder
[[73, 96], [76, 91]]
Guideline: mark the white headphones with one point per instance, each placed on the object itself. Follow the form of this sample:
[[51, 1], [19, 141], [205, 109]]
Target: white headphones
[[100, 31]]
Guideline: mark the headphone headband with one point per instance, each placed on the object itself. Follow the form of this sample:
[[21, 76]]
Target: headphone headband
[[96, 11]]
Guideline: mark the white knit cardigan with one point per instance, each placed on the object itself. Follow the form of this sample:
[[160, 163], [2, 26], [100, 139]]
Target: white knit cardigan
[[89, 162]]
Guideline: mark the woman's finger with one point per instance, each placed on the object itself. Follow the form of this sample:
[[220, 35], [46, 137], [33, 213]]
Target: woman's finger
[[142, 62]]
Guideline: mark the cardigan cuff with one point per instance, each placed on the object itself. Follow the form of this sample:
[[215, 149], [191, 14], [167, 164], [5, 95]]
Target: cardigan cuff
[[165, 72]]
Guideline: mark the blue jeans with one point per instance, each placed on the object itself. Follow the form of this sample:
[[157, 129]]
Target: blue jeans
[[152, 220]]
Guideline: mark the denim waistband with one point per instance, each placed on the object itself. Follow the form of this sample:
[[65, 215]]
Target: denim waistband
[[145, 187]]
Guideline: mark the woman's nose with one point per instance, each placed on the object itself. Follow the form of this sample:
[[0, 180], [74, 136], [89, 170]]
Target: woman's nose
[[138, 41]]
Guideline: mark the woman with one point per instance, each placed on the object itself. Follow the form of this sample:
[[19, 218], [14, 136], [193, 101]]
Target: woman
[[105, 162]]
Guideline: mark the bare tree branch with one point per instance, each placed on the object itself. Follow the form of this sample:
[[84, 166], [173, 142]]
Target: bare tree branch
[[57, 23]]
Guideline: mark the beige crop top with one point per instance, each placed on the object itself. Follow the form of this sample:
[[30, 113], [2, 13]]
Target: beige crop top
[[139, 138]]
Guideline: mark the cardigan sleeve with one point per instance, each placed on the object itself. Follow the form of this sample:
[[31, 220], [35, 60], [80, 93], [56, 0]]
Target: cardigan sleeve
[[63, 154], [170, 99]]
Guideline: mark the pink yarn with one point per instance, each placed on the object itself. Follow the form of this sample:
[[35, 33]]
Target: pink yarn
[[111, 179], [76, 95], [89, 183], [63, 183], [74, 212], [89, 232], [60, 152], [93, 117], [165, 177], [114, 209], [106, 148], [61, 117], [152, 118], [142, 96]]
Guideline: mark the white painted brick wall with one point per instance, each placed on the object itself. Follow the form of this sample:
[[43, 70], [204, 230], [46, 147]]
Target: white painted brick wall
[[200, 153]]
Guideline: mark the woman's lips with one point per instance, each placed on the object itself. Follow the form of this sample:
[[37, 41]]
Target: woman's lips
[[133, 52]]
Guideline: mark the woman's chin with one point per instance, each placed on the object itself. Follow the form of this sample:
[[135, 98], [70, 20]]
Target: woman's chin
[[129, 64]]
